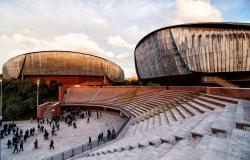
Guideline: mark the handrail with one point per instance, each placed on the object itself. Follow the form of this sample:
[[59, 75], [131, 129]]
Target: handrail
[[85, 147]]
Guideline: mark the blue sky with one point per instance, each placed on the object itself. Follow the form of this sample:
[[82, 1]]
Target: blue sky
[[107, 28]]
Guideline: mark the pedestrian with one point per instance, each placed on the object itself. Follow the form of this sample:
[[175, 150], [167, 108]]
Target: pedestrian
[[36, 144], [74, 125], [51, 144], [21, 146], [113, 134], [9, 143], [88, 120], [15, 148], [53, 132], [90, 142]]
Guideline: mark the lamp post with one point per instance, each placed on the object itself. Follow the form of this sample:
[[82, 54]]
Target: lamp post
[[37, 100], [1, 101]]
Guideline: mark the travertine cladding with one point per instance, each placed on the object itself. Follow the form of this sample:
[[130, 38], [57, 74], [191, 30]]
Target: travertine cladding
[[184, 49], [61, 63]]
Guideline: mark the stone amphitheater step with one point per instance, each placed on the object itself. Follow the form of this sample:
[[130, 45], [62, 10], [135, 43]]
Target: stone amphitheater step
[[137, 111], [204, 127], [217, 149], [135, 129], [176, 114], [239, 145], [190, 109], [141, 125], [145, 124], [202, 104], [220, 98], [149, 152], [157, 121], [183, 132], [210, 101], [242, 117], [180, 151], [163, 117], [196, 106], [130, 130], [173, 115], [151, 123], [216, 100], [208, 105], [224, 123], [181, 112], [154, 135], [170, 117], [184, 112]]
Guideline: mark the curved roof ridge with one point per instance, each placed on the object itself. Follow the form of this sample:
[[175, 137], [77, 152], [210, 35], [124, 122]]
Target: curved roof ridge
[[226, 25]]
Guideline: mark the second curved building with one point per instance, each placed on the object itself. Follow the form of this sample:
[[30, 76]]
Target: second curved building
[[196, 53]]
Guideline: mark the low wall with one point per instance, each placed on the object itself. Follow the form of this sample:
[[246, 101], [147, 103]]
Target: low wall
[[54, 106]]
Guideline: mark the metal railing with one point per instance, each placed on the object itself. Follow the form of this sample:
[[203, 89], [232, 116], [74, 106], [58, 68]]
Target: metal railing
[[86, 147]]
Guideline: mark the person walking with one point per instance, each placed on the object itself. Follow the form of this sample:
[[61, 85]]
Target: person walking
[[9, 143], [90, 142], [36, 144], [21, 146], [15, 148], [51, 145]]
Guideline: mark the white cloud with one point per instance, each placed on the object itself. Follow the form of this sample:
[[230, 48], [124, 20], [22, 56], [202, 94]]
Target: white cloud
[[129, 71], [70, 41], [117, 41], [195, 11], [102, 22], [124, 55]]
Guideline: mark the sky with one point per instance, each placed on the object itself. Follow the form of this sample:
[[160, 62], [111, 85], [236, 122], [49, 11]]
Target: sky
[[107, 28]]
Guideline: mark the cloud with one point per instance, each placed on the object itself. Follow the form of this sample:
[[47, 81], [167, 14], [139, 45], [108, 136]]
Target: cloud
[[70, 41], [124, 55], [117, 41], [195, 11], [129, 71]]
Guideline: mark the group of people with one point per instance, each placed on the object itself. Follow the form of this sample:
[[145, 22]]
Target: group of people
[[18, 138]]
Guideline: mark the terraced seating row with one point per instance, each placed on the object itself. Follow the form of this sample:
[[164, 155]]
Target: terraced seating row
[[173, 112], [190, 138], [80, 95]]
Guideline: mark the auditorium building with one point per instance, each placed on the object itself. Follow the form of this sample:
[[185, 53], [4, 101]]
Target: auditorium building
[[69, 68], [212, 54]]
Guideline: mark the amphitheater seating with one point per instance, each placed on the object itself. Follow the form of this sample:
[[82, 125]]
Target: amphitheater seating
[[189, 130], [92, 94]]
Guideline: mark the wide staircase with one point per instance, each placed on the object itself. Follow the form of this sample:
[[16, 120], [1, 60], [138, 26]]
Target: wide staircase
[[197, 127]]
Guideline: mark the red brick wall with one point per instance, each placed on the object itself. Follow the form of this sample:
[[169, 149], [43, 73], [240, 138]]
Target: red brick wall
[[196, 89], [61, 91], [42, 108], [69, 80], [242, 93]]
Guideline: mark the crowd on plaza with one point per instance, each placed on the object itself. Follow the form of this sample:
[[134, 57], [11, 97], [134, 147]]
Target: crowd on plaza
[[19, 137]]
